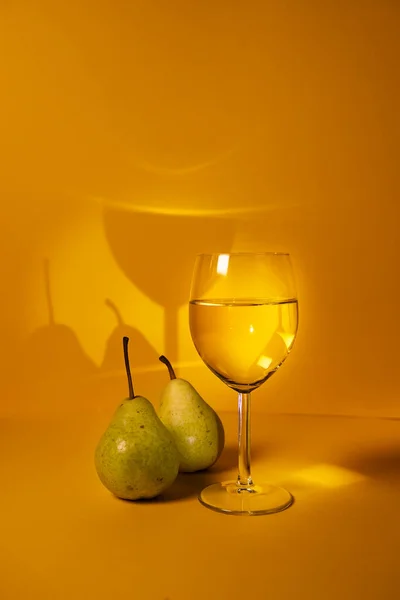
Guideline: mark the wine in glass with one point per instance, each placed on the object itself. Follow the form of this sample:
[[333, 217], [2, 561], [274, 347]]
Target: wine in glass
[[243, 321]]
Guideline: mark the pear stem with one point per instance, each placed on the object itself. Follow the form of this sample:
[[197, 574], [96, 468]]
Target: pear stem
[[127, 367], [166, 362]]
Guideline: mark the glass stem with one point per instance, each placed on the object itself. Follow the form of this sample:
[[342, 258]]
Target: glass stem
[[244, 476]]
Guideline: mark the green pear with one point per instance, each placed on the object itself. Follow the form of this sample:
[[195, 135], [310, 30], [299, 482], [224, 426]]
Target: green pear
[[196, 428], [136, 456]]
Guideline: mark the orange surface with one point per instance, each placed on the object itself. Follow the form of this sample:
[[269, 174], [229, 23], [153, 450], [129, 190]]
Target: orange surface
[[64, 536]]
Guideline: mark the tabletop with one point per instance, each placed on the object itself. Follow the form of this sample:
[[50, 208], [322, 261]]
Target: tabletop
[[63, 535]]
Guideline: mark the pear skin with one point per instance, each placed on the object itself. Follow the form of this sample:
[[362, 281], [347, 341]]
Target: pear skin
[[196, 428], [136, 456]]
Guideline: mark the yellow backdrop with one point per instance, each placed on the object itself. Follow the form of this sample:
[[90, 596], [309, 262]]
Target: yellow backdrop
[[135, 134]]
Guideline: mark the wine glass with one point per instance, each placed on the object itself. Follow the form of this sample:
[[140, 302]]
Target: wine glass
[[243, 319]]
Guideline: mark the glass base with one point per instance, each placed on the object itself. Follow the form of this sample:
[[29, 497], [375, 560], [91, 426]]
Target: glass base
[[228, 497]]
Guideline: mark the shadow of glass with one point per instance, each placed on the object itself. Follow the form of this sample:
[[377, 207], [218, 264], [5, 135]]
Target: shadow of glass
[[186, 485], [382, 464], [156, 251], [189, 485]]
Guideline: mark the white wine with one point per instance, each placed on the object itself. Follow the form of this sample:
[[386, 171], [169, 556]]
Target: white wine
[[243, 341]]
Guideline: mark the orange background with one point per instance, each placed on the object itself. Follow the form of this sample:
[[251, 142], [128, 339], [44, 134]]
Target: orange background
[[134, 135]]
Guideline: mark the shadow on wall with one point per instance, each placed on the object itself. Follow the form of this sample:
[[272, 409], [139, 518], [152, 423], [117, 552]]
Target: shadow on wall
[[156, 251], [56, 371], [53, 350], [141, 352]]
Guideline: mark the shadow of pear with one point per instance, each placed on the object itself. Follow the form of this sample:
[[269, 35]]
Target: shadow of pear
[[142, 353], [157, 250], [189, 485], [185, 486], [53, 351]]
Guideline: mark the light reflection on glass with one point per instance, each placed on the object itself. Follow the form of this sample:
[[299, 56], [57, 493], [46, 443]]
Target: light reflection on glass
[[223, 264], [264, 362]]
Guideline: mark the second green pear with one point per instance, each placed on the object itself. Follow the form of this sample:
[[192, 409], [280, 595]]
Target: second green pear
[[196, 428]]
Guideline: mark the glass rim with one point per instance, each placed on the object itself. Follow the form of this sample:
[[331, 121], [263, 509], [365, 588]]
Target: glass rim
[[200, 254]]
